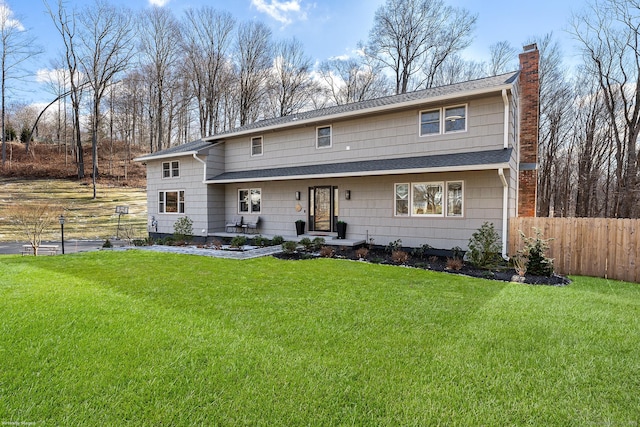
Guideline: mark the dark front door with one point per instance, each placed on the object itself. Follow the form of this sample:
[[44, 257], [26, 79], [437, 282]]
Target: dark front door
[[323, 208]]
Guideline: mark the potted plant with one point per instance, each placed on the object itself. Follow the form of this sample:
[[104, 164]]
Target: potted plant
[[342, 229], [299, 227]]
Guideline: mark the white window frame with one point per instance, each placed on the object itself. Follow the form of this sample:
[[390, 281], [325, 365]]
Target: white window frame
[[250, 206], [439, 110], [174, 172], [445, 200], [449, 214], [251, 146], [330, 136], [180, 202], [442, 120]]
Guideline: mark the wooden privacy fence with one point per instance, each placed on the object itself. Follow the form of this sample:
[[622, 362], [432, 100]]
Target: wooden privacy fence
[[598, 247]]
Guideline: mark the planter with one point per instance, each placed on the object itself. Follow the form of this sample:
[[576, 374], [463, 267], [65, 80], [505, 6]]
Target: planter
[[299, 227], [342, 230]]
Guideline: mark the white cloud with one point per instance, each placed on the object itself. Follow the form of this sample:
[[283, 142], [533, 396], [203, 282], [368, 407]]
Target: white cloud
[[6, 16], [159, 3], [281, 11]]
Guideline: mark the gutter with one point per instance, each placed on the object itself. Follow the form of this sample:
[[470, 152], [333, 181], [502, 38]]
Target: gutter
[[505, 211], [505, 99], [204, 175]]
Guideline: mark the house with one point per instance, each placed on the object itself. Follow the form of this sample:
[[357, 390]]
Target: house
[[427, 167]]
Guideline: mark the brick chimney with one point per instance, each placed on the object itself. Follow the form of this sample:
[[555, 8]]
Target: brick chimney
[[529, 116]]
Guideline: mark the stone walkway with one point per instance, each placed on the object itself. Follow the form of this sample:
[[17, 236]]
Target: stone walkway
[[194, 250]]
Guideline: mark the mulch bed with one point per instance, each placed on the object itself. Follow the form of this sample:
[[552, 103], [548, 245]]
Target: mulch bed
[[434, 263]]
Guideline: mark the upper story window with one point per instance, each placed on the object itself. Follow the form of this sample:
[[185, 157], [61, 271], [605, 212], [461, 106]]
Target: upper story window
[[171, 169], [249, 200], [323, 137], [443, 120], [171, 202], [256, 146]]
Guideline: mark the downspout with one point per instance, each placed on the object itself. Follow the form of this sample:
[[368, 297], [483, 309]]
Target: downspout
[[505, 211], [204, 175], [505, 99]]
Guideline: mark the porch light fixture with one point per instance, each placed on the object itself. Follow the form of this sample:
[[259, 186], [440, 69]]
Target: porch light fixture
[[297, 195], [347, 195]]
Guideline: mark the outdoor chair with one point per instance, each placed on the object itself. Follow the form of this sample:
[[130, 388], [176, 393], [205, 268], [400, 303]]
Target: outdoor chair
[[234, 224], [252, 226]]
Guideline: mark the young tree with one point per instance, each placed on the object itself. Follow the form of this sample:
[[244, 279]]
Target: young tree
[[107, 47], [414, 37], [16, 47], [33, 220]]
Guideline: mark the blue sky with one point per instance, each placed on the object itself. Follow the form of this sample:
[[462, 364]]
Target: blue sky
[[330, 28]]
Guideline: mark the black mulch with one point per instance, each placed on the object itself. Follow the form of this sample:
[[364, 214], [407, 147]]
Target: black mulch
[[434, 263]]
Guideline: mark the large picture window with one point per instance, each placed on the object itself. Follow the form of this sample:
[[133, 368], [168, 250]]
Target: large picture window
[[429, 199], [170, 169], [171, 202], [250, 200], [323, 137]]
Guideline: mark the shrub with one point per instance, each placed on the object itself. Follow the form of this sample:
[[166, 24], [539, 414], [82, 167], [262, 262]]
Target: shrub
[[399, 256], [307, 243], [107, 244], [183, 229], [318, 242], [238, 241], [277, 240], [454, 264], [519, 264], [260, 241], [534, 250], [396, 245], [484, 247], [421, 251], [289, 247], [362, 253], [216, 244], [327, 252]]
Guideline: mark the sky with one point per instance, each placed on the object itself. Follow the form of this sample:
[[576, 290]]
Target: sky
[[326, 28]]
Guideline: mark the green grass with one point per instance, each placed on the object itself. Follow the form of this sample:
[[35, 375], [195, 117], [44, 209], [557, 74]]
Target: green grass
[[140, 338], [86, 218]]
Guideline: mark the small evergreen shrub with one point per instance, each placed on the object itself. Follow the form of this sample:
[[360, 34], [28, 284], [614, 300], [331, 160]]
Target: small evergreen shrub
[[277, 240], [289, 247], [484, 247], [396, 245], [307, 243], [318, 242], [238, 241], [534, 251], [260, 241], [183, 229], [107, 244], [421, 251]]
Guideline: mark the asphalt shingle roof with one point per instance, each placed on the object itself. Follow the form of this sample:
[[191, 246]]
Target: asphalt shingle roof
[[369, 167]]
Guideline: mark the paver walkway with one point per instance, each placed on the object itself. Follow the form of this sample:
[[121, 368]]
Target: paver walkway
[[194, 250]]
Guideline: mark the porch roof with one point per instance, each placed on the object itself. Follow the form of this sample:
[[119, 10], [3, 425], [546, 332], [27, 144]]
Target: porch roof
[[468, 161]]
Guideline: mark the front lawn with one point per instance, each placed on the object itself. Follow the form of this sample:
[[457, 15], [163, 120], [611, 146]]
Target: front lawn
[[143, 338]]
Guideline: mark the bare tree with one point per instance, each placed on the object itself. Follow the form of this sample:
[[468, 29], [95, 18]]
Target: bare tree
[[32, 220], [107, 49], [207, 38], [457, 69], [160, 48], [414, 37], [254, 53], [353, 79], [608, 33], [503, 58], [290, 85], [16, 47]]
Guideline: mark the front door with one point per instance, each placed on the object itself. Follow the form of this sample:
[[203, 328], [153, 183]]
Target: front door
[[323, 208]]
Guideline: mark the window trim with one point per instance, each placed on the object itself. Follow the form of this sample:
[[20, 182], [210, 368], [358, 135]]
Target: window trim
[[173, 172], [442, 125], [261, 146], [330, 136], [445, 200], [249, 210], [181, 203]]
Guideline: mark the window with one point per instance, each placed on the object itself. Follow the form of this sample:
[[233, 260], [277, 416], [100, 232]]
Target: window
[[454, 198], [402, 200], [455, 119], [171, 202], [426, 198], [171, 169], [429, 199], [249, 200], [256, 146], [323, 137], [430, 122]]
